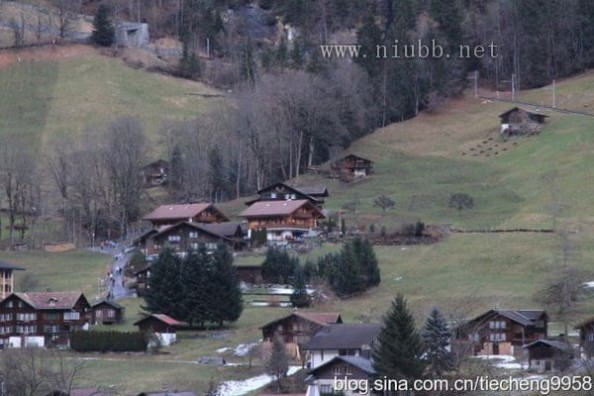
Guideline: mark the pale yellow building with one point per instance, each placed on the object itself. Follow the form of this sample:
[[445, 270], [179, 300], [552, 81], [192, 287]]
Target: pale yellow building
[[7, 278]]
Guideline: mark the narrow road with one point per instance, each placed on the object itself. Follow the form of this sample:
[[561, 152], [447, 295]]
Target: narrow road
[[114, 280]]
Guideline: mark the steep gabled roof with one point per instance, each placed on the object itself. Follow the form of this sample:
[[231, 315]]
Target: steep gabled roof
[[276, 208], [196, 226], [319, 191], [359, 362], [320, 318], [7, 266], [525, 317], [51, 300], [108, 302], [227, 229], [168, 320], [344, 336], [560, 345], [180, 211], [504, 114]]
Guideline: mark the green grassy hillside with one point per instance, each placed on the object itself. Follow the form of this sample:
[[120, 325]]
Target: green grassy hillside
[[61, 95]]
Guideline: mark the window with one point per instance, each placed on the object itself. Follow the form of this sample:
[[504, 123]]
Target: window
[[26, 317], [20, 304], [71, 316], [338, 369], [497, 324], [193, 234], [325, 389], [10, 304], [111, 313], [211, 246], [194, 246], [348, 370], [273, 195], [346, 352], [174, 238], [494, 337], [51, 316], [98, 313], [5, 317], [590, 336]]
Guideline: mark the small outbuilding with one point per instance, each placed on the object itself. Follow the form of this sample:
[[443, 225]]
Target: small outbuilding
[[106, 312], [546, 356], [520, 122], [352, 168], [164, 326]]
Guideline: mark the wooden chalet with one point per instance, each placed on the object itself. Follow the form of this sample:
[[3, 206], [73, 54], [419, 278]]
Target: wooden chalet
[[296, 329], [283, 221], [163, 326], [282, 192], [502, 332], [545, 356], [359, 370], [155, 174], [40, 318], [185, 236], [166, 215], [351, 168], [106, 312], [516, 121], [586, 331], [7, 278], [142, 277]]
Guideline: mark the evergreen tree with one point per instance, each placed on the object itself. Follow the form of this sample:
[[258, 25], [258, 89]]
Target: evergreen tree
[[299, 298], [196, 287], [227, 304], [369, 36], [278, 363], [436, 337], [346, 280], [398, 354], [370, 272], [310, 271], [103, 30], [278, 266], [165, 291]]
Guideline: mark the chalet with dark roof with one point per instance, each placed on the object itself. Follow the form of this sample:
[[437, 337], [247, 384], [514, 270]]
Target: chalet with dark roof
[[7, 278], [282, 192], [106, 312], [164, 327], [351, 168], [184, 236], [520, 122], [39, 318], [283, 221], [342, 339], [166, 215], [296, 329], [357, 369], [545, 356], [155, 173], [502, 331]]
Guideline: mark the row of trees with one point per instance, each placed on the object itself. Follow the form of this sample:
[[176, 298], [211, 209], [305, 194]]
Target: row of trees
[[202, 288]]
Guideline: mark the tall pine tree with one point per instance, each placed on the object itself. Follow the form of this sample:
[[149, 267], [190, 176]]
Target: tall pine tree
[[436, 337], [165, 293], [299, 298], [227, 302], [103, 30], [399, 350]]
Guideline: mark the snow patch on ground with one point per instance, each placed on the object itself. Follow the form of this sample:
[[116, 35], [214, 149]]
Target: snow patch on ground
[[244, 349], [243, 387], [589, 285], [223, 350], [507, 362]]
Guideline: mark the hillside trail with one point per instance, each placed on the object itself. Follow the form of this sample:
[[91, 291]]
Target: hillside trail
[[44, 53]]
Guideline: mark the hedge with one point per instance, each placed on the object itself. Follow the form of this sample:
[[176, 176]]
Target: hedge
[[108, 341]]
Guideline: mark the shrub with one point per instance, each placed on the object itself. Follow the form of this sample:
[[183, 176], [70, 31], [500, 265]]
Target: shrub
[[108, 341]]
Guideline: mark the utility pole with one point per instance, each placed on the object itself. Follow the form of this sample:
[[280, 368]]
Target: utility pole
[[554, 95], [513, 87], [476, 76]]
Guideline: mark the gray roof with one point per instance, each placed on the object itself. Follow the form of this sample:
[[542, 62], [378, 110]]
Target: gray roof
[[525, 317], [226, 229], [553, 344], [313, 190], [361, 363], [7, 266], [344, 336]]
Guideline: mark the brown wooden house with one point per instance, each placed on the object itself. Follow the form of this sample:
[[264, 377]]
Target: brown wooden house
[[351, 168], [357, 369], [155, 174], [284, 221], [549, 356], [7, 278], [159, 323], [516, 122], [106, 312], [502, 332], [296, 329], [184, 236], [166, 215], [283, 192], [586, 331], [39, 318], [142, 277]]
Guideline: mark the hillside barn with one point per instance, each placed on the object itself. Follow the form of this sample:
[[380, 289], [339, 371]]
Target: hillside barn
[[519, 122]]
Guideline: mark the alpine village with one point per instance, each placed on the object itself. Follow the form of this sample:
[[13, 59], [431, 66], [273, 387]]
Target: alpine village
[[296, 197]]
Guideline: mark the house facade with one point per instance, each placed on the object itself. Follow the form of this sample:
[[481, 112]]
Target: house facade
[[351, 168], [329, 377], [297, 329], [516, 121], [106, 312], [166, 215], [184, 236], [342, 339], [502, 332], [40, 318], [284, 221], [7, 278], [164, 327], [549, 356], [155, 174]]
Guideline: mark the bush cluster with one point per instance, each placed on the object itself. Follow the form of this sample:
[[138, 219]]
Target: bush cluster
[[108, 341]]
